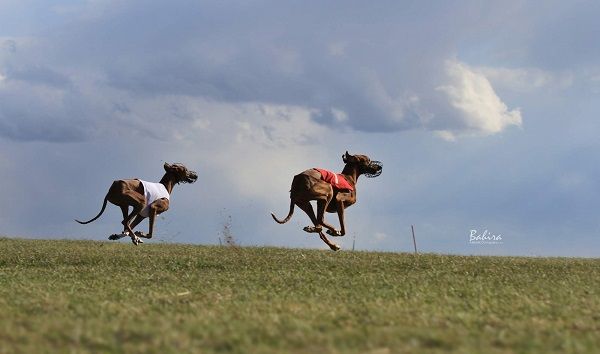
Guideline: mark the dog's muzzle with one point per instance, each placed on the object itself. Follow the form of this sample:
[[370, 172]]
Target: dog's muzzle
[[191, 177], [374, 169]]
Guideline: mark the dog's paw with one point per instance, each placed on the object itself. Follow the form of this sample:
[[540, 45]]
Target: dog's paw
[[140, 234], [312, 229], [114, 237], [335, 247], [334, 233], [136, 240]]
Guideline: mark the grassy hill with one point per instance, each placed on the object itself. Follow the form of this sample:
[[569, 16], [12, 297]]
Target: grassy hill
[[84, 296]]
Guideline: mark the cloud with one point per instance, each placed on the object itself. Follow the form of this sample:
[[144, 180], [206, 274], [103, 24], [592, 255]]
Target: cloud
[[38, 102], [349, 76], [526, 79], [478, 109], [32, 112]]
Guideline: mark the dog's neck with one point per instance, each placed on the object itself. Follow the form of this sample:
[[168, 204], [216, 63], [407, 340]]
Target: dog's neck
[[168, 182], [351, 173]]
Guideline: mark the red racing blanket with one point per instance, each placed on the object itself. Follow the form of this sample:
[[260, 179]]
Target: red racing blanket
[[338, 181]]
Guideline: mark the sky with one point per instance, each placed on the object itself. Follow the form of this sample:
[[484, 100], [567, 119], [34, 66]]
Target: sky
[[485, 116]]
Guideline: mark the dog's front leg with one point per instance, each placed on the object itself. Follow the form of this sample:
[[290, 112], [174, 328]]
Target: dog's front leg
[[127, 224], [151, 217], [340, 212], [138, 219], [333, 246], [151, 222], [156, 208]]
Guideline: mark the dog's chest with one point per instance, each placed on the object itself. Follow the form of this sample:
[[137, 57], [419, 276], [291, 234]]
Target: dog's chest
[[154, 191]]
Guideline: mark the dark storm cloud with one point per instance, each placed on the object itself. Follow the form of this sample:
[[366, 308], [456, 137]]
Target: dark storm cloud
[[379, 66]]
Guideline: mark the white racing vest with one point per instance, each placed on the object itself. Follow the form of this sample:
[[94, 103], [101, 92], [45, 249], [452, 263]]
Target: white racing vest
[[152, 192]]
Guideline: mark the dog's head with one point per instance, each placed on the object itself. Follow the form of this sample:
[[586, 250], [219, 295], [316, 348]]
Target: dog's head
[[365, 165], [181, 173]]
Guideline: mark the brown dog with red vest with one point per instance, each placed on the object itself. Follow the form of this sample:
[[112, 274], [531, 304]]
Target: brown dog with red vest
[[330, 192]]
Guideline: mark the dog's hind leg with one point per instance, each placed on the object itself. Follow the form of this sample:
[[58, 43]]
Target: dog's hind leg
[[125, 211], [128, 229], [127, 224], [137, 201], [126, 216], [308, 209]]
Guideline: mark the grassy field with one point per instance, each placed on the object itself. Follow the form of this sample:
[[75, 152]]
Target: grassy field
[[83, 296]]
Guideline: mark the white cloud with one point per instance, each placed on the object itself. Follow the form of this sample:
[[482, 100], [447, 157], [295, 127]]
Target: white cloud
[[525, 79], [479, 109]]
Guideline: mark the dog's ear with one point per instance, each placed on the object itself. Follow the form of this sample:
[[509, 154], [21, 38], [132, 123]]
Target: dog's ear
[[167, 166], [346, 156]]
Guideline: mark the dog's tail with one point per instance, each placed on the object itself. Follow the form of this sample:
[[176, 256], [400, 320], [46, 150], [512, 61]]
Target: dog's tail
[[97, 216], [288, 217]]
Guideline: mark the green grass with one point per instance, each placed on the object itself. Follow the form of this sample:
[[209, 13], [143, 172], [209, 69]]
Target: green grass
[[83, 296]]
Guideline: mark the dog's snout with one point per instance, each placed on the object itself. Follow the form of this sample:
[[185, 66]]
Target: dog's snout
[[192, 176], [375, 168]]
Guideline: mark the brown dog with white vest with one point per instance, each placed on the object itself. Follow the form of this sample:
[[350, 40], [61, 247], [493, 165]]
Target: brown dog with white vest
[[147, 199], [333, 193]]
